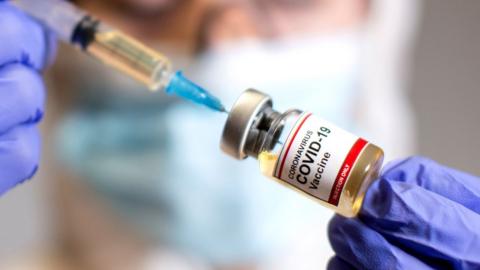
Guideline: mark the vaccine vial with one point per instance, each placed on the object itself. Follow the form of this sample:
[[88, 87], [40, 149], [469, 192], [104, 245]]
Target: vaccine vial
[[303, 152]]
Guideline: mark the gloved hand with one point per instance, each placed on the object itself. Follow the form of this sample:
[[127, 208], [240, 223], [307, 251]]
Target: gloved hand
[[418, 215], [25, 48]]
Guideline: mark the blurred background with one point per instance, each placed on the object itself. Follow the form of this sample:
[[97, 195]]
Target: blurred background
[[443, 86], [107, 197]]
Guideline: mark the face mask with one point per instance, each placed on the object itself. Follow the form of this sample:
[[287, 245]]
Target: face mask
[[161, 168], [317, 74]]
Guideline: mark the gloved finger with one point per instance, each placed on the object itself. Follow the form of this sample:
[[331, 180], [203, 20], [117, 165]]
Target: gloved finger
[[19, 155], [457, 186], [423, 222], [336, 263], [22, 96], [23, 40], [364, 248]]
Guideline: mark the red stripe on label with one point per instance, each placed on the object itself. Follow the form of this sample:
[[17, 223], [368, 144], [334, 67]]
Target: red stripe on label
[[290, 145], [344, 171]]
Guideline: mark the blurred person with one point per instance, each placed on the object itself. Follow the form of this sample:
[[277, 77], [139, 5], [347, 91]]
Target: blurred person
[[145, 183]]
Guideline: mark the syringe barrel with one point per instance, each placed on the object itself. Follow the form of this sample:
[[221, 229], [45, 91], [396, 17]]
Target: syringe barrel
[[106, 44], [131, 57], [60, 16]]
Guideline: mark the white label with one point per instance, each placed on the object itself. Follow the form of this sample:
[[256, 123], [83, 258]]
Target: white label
[[317, 158]]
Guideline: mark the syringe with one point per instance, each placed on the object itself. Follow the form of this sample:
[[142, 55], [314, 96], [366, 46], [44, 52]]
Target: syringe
[[116, 49]]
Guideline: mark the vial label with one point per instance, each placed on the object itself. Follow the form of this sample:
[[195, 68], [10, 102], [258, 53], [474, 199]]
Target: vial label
[[318, 157]]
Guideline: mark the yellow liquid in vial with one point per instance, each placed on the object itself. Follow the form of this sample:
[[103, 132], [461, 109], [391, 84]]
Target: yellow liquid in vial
[[132, 58], [268, 162], [364, 172]]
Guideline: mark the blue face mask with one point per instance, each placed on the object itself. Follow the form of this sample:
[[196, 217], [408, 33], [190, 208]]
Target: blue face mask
[[161, 167], [317, 74]]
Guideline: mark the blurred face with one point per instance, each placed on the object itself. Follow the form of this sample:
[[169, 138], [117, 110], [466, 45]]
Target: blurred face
[[203, 24]]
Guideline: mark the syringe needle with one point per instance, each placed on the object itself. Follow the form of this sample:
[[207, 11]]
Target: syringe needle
[[183, 87]]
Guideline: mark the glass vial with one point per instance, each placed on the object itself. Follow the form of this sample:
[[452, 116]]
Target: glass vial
[[303, 152]]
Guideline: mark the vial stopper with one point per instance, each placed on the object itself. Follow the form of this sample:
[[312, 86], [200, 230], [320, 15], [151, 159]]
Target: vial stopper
[[240, 120]]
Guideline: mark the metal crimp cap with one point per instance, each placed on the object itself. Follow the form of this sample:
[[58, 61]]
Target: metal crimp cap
[[240, 120]]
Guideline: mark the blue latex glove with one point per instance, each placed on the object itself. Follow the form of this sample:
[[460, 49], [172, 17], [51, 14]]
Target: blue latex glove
[[25, 48], [418, 215]]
